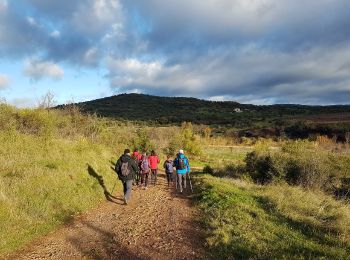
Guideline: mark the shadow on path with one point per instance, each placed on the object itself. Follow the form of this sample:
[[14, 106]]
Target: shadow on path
[[106, 246], [100, 180]]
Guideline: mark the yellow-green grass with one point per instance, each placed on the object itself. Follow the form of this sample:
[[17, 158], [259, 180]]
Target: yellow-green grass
[[219, 156], [44, 182], [244, 220]]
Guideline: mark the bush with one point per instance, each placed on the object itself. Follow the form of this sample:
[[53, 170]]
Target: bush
[[309, 171], [142, 140], [298, 163], [261, 167], [208, 169], [190, 141]]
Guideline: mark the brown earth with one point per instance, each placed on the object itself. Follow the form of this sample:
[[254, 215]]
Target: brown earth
[[326, 118], [158, 223]]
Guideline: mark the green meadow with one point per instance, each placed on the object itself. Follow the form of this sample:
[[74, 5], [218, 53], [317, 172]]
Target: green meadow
[[260, 198], [245, 220]]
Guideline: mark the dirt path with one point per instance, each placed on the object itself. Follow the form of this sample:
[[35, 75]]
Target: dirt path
[[157, 224]]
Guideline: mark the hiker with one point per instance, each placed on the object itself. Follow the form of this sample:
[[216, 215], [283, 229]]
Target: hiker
[[137, 158], [169, 169], [144, 169], [136, 154], [182, 169], [126, 169], [153, 162]]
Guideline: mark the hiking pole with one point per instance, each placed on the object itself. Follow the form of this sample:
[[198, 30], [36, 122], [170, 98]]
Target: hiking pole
[[176, 181], [189, 178]]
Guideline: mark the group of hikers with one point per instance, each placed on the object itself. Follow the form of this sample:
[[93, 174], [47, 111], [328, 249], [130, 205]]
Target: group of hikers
[[135, 168]]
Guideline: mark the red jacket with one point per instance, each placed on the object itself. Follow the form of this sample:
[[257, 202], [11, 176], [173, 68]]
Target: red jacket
[[153, 162], [137, 155]]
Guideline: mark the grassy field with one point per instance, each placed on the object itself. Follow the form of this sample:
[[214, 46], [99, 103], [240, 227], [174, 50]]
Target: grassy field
[[276, 221], [219, 156], [55, 164], [43, 184]]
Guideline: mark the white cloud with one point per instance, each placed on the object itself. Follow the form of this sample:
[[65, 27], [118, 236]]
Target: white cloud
[[55, 34], [31, 21], [37, 70], [96, 17], [3, 4], [263, 50], [91, 56], [23, 102], [4, 81], [262, 75]]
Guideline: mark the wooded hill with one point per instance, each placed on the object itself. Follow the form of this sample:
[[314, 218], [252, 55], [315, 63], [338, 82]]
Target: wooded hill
[[169, 110]]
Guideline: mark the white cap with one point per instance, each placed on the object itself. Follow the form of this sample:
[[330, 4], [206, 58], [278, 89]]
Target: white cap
[[181, 151]]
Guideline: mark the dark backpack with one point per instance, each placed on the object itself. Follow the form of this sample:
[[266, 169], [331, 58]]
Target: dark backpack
[[181, 163], [169, 166], [125, 169]]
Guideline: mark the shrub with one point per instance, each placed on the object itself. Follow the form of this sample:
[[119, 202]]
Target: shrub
[[298, 163], [231, 171], [142, 140], [208, 169], [174, 145], [250, 160], [190, 141], [261, 167], [309, 171], [185, 139]]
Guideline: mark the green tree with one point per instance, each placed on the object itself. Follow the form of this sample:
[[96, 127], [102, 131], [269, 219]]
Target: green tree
[[190, 141], [142, 140]]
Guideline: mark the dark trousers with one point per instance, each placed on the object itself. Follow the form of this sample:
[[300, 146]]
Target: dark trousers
[[138, 178], [127, 189], [154, 176], [169, 177], [144, 178]]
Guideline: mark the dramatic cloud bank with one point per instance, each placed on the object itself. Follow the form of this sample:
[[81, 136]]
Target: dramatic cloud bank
[[262, 51]]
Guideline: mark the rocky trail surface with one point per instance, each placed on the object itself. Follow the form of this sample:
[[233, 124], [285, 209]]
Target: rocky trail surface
[[158, 223]]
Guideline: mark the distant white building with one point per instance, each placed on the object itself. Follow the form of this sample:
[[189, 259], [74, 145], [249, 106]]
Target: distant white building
[[237, 110]]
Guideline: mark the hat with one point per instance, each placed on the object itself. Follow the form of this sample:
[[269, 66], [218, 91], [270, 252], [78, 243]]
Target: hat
[[181, 151]]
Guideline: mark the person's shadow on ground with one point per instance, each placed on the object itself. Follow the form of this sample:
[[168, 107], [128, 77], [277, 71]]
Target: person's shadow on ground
[[99, 178]]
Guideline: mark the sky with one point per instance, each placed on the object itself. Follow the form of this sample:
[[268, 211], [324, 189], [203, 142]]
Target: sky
[[250, 51]]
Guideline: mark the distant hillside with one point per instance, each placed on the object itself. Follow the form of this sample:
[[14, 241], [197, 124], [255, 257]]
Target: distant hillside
[[165, 110]]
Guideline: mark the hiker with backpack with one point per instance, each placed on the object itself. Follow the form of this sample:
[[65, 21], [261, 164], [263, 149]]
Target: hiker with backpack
[[182, 169], [144, 169], [126, 169], [169, 169], [153, 162], [137, 158]]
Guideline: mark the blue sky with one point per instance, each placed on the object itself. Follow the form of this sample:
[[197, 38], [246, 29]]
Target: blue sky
[[250, 51]]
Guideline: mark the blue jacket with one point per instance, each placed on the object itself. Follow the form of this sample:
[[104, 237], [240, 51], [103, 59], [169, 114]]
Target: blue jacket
[[176, 164]]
